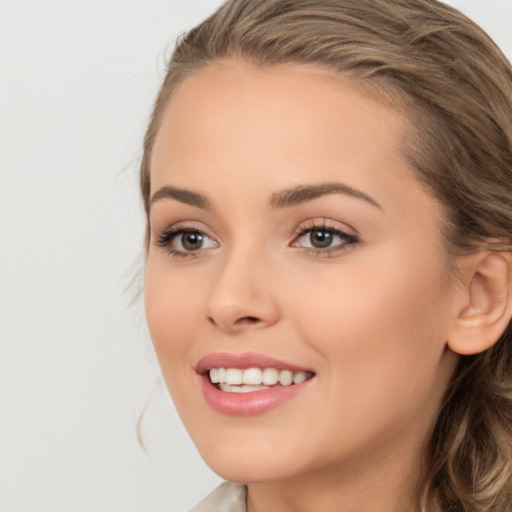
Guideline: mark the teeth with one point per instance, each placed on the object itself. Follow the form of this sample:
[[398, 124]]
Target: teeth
[[240, 389], [286, 378], [234, 376], [299, 377], [252, 376], [235, 380], [214, 375], [270, 376]]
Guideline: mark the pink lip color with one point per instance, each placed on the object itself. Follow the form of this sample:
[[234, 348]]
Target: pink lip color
[[243, 361], [246, 404]]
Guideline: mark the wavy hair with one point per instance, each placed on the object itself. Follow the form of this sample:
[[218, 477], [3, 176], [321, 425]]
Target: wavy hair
[[454, 85]]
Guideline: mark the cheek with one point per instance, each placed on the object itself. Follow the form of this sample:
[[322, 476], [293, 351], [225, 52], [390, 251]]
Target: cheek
[[171, 315], [377, 325]]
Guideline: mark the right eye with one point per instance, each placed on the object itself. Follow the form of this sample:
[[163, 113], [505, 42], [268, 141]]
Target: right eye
[[185, 242]]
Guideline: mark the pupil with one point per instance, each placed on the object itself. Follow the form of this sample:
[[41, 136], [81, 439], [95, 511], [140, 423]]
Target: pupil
[[192, 241], [321, 239]]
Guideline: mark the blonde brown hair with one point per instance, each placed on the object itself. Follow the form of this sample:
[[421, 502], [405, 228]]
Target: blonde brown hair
[[455, 86]]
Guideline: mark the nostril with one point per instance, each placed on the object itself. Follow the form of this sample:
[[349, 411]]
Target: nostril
[[247, 320], [239, 321]]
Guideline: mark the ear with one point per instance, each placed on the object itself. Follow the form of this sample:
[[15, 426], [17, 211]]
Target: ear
[[485, 308]]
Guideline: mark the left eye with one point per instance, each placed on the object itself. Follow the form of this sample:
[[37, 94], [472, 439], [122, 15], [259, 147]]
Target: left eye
[[323, 238]]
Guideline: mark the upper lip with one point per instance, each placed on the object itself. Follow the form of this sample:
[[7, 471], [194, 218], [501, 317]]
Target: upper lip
[[243, 361]]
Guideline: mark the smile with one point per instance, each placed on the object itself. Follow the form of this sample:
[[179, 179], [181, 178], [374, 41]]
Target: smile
[[246, 384]]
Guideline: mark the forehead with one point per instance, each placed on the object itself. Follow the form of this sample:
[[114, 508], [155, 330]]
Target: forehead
[[297, 108]]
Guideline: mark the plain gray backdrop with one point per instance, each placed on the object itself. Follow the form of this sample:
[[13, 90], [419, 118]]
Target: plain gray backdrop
[[76, 85]]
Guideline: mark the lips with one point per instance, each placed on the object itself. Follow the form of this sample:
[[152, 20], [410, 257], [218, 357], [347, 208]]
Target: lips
[[244, 361], [249, 383]]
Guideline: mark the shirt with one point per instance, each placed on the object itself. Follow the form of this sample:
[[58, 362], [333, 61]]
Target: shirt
[[227, 497]]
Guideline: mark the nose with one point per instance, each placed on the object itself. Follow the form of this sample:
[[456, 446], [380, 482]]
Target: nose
[[242, 295]]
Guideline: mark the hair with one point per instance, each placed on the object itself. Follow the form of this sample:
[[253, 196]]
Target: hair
[[454, 85]]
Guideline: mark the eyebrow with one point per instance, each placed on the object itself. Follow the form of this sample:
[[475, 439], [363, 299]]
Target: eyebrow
[[282, 199], [303, 193], [181, 195]]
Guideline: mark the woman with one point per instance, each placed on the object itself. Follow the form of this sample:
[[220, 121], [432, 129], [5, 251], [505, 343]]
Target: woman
[[328, 189]]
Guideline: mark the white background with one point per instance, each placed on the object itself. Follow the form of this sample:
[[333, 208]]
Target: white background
[[77, 79]]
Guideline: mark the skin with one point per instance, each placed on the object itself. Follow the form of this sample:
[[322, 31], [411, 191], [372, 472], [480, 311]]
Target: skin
[[370, 318]]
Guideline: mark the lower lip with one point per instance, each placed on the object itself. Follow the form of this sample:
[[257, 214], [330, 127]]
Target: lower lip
[[247, 404]]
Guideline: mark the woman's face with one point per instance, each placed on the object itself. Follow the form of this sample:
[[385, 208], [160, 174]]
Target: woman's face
[[290, 239]]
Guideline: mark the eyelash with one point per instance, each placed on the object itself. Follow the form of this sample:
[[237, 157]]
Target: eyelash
[[348, 239], [167, 237]]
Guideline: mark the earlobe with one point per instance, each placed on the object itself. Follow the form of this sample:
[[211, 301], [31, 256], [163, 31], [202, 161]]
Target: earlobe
[[487, 307]]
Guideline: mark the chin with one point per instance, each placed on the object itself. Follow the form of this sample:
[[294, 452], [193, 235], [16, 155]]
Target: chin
[[257, 460], [256, 471]]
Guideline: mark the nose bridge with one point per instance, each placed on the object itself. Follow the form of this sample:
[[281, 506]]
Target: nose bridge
[[241, 293]]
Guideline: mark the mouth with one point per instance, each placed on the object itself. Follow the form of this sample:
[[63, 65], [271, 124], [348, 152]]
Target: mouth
[[247, 384]]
